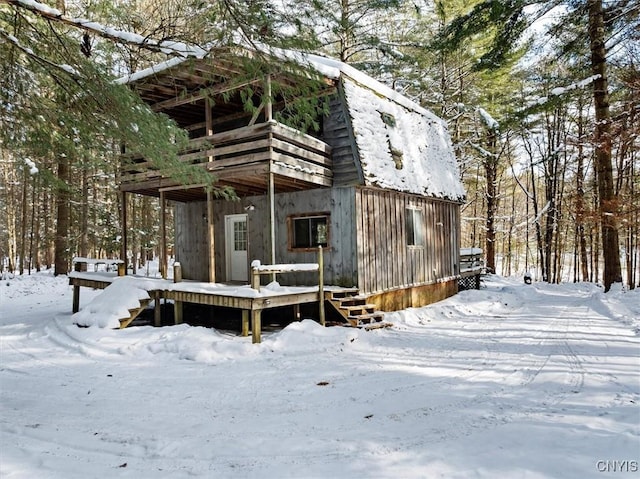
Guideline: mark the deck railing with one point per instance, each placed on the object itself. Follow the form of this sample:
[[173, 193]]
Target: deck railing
[[471, 268], [288, 150]]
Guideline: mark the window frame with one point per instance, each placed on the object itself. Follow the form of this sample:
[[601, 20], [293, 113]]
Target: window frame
[[291, 219], [418, 231]]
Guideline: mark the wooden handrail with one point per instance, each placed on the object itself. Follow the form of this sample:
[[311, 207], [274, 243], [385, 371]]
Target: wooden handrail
[[258, 269]]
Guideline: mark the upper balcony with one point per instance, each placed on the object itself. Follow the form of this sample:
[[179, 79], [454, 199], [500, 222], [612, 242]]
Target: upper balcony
[[242, 158]]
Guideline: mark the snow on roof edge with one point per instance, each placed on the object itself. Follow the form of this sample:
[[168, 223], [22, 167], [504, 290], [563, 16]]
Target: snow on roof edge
[[367, 81], [153, 69], [329, 67]]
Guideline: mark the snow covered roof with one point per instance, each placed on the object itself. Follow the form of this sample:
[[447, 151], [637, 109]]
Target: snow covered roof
[[402, 146]]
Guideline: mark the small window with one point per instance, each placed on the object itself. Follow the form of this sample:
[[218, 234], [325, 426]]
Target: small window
[[415, 227], [388, 119], [309, 231]]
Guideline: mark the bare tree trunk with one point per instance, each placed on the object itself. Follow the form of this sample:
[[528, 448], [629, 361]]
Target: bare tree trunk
[[604, 171], [580, 207], [491, 175], [23, 219], [36, 227], [83, 249], [8, 176], [33, 220], [62, 218], [46, 213]]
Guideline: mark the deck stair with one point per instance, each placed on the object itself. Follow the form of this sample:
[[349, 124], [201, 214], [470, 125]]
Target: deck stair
[[355, 310], [134, 313]]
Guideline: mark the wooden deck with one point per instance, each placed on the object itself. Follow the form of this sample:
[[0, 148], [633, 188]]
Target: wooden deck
[[243, 297], [471, 268]]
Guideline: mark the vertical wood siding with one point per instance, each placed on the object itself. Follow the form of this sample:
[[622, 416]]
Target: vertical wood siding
[[367, 244], [385, 261], [191, 248], [339, 256]]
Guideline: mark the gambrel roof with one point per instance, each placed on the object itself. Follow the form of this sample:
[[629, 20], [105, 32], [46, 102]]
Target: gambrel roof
[[399, 144]]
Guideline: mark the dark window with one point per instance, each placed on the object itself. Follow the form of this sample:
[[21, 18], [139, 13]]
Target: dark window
[[415, 227], [309, 231]]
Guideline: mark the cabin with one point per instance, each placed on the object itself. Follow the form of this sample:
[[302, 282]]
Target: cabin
[[373, 181]]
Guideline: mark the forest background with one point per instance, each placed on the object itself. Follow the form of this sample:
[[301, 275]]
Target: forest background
[[542, 99]]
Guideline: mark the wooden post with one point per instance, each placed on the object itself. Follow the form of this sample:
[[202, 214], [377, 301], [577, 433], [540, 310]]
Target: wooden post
[[245, 322], [208, 118], [256, 325], [321, 285], [211, 238], [163, 237], [255, 278], [268, 116], [75, 307], [177, 305], [177, 272], [123, 244], [76, 299], [272, 221], [268, 106], [157, 309]]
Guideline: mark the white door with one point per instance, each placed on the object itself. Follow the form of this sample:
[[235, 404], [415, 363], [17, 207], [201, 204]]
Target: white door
[[236, 246]]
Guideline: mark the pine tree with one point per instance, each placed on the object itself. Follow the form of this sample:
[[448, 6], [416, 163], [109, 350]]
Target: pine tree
[[508, 21]]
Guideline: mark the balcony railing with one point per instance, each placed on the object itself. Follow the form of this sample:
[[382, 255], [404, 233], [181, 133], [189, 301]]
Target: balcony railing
[[243, 154]]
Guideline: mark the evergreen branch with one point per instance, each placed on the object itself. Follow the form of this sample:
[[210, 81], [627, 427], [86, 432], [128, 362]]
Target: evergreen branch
[[69, 70], [118, 36]]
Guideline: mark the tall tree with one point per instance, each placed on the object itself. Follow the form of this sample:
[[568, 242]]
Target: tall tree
[[604, 167], [509, 20]]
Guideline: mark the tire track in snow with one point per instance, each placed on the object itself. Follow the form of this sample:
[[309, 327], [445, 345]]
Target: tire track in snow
[[478, 412]]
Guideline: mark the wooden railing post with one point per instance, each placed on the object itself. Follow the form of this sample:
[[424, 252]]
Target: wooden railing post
[[177, 305], [75, 307], [321, 285], [255, 278]]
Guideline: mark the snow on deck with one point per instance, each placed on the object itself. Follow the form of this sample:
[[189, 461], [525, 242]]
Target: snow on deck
[[125, 293]]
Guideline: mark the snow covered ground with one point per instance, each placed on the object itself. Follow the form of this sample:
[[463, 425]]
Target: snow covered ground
[[512, 381]]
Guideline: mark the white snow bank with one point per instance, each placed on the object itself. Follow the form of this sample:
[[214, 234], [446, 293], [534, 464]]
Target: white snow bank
[[113, 303], [519, 381]]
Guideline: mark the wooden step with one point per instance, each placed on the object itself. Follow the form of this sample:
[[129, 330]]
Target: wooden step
[[362, 308], [360, 320], [134, 313], [343, 293], [378, 325], [352, 301]]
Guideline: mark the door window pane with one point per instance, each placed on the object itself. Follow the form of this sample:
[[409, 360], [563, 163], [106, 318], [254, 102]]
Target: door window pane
[[240, 235]]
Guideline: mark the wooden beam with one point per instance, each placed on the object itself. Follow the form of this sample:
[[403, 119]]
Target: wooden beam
[[256, 325], [163, 236], [268, 103], [201, 94], [272, 221], [211, 238], [208, 117], [157, 309], [321, 286], [123, 245], [245, 322]]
